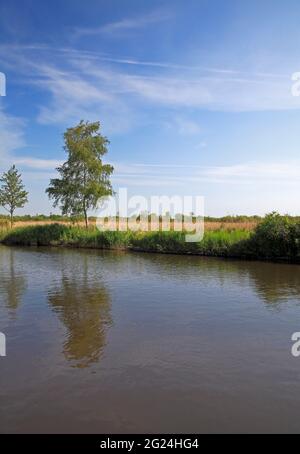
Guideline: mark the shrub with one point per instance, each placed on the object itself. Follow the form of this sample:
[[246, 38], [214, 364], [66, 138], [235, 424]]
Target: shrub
[[276, 236]]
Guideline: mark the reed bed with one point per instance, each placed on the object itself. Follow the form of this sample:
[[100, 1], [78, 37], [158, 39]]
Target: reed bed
[[209, 225], [277, 237], [214, 242]]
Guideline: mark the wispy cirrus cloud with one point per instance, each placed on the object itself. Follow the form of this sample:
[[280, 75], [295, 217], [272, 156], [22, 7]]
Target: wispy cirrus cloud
[[74, 97], [242, 173], [37, 163], [225, 92], [184, 125], [85, 85], [124, 25], [96, 56], [12, 133]]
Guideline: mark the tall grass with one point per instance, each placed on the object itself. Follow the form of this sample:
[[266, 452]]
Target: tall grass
[[4, 228], [62, 235], [275, 237], [214, 242]]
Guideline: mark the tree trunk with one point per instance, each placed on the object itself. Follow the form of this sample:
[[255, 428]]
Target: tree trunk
[[85, 217], [84, 205], [11, 219]]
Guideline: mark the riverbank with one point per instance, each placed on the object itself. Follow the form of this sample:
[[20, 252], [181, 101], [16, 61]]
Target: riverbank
[[275, 238]]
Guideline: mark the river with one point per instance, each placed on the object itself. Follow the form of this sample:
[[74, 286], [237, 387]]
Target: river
[[113, 342]]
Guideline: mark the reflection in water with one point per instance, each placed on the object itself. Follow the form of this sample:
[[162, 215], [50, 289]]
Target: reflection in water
[[274, 283], [13, 281], [84, 308], [193, 347]]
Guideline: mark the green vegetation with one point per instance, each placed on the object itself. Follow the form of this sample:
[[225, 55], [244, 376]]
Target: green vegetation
[[4, 228], [276, 237], [12, 192], [42, 218], [84, 179], [62, 235], [214, 243]]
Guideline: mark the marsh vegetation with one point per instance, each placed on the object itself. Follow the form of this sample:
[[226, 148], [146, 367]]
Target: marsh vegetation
[[275, 237]]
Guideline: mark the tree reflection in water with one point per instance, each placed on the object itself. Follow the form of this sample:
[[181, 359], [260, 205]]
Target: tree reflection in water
[[83, 306], [274, 283], [13, 281]]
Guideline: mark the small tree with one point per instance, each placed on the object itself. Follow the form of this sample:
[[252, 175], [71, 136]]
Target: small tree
[[12, 192], [84, 179]]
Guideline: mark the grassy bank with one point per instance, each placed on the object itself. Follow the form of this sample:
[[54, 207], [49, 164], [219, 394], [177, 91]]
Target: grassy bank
[[276, 237]]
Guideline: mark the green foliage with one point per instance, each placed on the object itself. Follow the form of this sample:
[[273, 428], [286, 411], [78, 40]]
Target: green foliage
[[276, 237], [42, 217], [84, 179], [221, 243], [12, 192], [63, 235], [168, 242], [214, 243], [45, 235], [4, 227]]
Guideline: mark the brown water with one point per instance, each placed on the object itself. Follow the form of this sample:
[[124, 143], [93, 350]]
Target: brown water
[[112, 342]]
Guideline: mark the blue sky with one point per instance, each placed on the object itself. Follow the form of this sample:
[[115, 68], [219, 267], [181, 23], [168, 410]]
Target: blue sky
[[195, 96]]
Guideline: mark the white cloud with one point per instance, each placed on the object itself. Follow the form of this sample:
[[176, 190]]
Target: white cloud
[[184, 126], [11, 134], [124, 25], [82, 85], [75, 97], [265, 171], [201, 145], [36, 163], [12, 138], [218, 94], [246, 173], [221, 93]]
